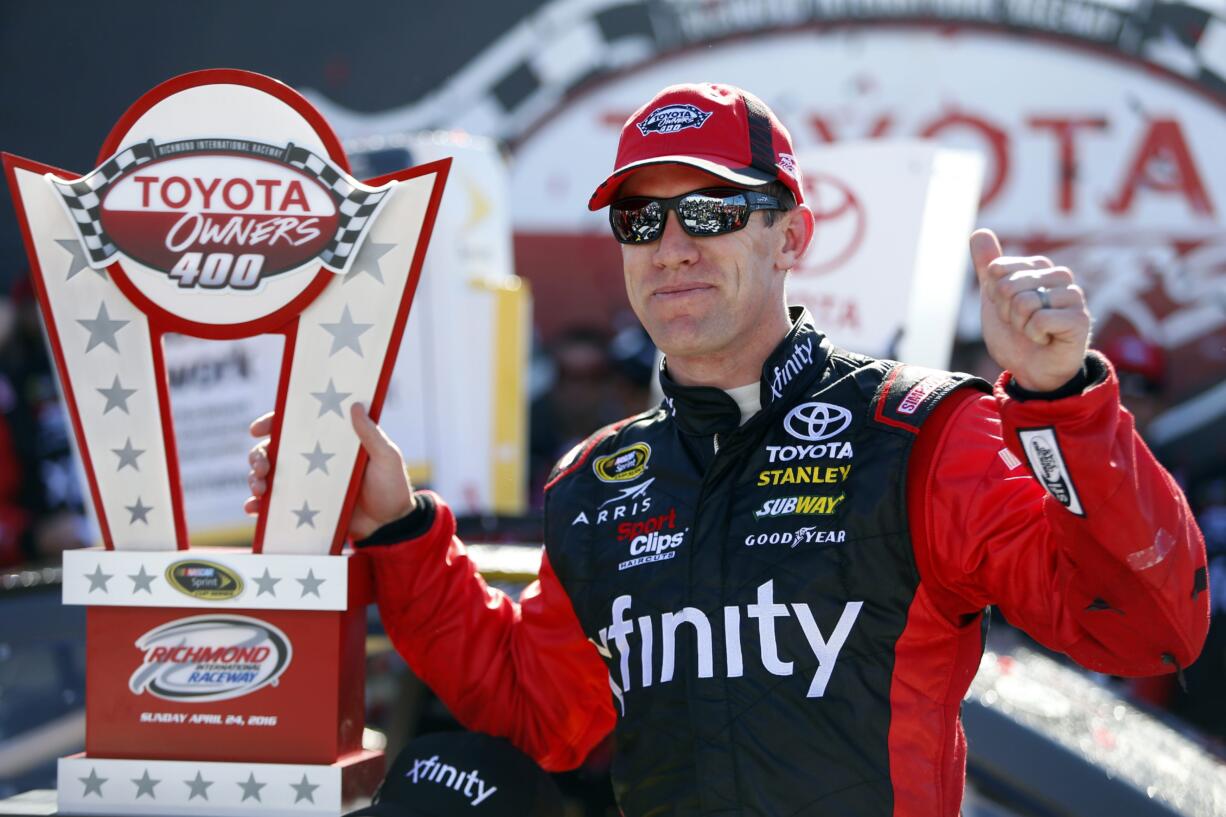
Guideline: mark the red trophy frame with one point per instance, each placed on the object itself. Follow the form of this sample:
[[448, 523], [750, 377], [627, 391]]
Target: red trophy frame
[[222, 682]]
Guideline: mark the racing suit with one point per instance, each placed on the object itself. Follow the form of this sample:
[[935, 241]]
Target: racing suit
[[782, 617]]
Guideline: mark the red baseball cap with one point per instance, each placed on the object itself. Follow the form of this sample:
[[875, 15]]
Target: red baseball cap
[[721, 129]]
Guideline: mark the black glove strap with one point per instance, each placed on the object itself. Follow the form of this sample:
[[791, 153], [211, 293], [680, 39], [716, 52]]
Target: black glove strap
[[1092, 372], [415, 523]]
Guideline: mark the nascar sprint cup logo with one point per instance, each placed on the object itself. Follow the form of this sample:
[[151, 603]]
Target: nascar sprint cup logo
[[210, 658], [218, 214]]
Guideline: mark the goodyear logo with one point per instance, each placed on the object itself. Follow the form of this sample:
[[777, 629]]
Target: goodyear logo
[[207, 581], [624, 464]]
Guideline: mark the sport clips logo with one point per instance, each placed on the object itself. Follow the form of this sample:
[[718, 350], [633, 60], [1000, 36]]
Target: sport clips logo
[[648, 540]]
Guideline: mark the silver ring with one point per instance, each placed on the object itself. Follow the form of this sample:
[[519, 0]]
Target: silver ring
[[1044, 297]]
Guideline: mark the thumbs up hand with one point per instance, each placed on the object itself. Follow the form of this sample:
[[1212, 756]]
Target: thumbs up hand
[[1035, 320]]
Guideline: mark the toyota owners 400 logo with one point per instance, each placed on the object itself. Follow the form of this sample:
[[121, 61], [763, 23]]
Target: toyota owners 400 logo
[[816, 421], [218, 213], [210, 658]]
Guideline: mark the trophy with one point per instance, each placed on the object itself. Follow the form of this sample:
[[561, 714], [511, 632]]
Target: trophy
[[222, 681]]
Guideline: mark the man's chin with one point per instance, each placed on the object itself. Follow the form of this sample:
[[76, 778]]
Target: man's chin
[[685, 340]]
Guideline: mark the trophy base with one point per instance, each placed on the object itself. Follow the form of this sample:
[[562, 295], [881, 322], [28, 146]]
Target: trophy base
[[89, 785]]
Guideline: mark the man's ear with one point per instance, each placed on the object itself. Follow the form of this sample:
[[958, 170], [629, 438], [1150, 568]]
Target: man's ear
[[798, 232]]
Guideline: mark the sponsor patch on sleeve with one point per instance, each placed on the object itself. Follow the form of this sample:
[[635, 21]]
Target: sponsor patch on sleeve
[[1047, 462], [907, 396]]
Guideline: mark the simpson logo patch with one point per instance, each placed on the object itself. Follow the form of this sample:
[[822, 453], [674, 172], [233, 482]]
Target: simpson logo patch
[[912, 399], [672, 118], [1047, 463], [624, 464]]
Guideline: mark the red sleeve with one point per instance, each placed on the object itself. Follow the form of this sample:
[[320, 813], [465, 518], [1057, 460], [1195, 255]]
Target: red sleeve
[[1120, 589], [523, 671]]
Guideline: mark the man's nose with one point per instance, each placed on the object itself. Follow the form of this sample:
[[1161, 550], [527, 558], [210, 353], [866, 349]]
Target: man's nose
[[675, 247]]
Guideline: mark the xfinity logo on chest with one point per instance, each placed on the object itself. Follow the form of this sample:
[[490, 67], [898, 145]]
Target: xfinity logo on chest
[[802, 356], [816, 421], [616, 647]]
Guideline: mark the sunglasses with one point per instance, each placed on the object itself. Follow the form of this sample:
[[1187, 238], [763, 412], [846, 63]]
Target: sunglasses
[[701, 213]]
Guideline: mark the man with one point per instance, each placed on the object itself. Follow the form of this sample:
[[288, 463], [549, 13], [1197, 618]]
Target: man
[[783, 569]]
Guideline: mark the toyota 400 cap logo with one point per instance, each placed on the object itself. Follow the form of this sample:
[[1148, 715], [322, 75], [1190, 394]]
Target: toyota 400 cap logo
[[220, 213], [672, 118], [210, 658], [816, 421]]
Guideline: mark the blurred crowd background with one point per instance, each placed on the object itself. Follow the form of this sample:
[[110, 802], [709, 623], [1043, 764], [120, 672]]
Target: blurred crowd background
[[70, 71]]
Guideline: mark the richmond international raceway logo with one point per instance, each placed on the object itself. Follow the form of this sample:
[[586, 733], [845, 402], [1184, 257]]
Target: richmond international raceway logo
[[210, 658], [220, 213]]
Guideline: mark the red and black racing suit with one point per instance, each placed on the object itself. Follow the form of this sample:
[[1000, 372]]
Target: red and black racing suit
[[782, 617]]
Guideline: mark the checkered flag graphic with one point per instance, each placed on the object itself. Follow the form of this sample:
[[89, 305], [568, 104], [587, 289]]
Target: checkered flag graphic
[[83, 198], [356, 203]]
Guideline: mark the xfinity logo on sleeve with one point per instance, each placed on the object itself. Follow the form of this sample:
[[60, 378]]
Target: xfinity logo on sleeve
[[616, 647], [816, 421], [1047, 463]]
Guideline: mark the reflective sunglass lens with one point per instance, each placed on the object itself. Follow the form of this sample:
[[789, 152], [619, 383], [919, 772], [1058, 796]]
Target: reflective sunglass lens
[[636, 223], [707, 215]]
